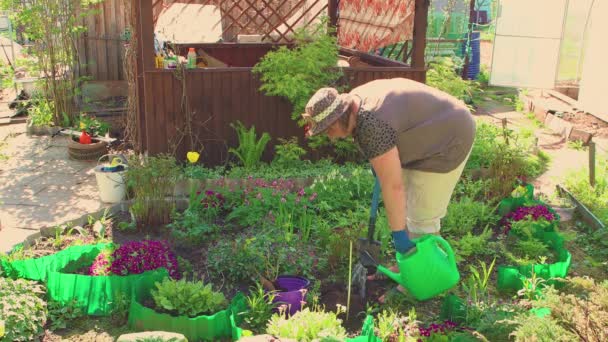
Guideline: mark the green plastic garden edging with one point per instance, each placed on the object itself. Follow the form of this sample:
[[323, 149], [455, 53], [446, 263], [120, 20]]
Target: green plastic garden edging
[[367, 332], [454, 309], [95, 295], [221, 325], [512, 277], [38, 268]]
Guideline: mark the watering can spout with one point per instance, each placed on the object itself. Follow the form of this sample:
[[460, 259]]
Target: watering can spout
[[394, 276]]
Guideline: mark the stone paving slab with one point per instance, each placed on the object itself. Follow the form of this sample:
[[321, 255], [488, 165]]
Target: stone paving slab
[[40, 186]]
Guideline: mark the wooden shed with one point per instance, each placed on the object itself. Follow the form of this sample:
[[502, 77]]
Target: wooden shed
[[218, 96]]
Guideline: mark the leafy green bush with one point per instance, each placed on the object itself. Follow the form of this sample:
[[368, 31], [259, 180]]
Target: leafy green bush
[[288, 153], [187, 298], [246, 258], [297, 73], [442, 75], [250, 149], [194, 225], [533, 328], [466, 215], [22, 309], [580, 308], [41, 112], [595, 198], [307, 325], [473, 244]]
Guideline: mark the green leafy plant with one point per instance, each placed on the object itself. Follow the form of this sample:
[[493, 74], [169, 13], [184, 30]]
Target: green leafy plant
[[195, 224], [308, 325], [473, 244], [580, 308], [22, 309], [593, 197], [92, 126], [150, 180], [120, 310], [250, 149], [442, 75], [41, 112], [260, 308], [296, 73], [466, 215], [530, 327], [288, 153], [62, 315], [476, 285], [392, 326], [187, 298]]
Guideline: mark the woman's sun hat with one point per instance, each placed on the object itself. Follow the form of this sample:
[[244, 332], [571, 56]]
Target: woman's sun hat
[[324, 108]]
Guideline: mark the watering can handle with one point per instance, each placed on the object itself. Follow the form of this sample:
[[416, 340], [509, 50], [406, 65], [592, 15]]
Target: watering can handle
[[447, 248], [120, 156]]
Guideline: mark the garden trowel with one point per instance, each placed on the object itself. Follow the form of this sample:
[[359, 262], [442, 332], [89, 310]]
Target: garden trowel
[[368, 248]]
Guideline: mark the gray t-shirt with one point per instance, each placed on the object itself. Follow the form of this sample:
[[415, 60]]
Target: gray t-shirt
[[432, 130]]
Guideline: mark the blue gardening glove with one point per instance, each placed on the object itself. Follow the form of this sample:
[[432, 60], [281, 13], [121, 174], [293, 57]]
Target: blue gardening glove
[[402, 242]]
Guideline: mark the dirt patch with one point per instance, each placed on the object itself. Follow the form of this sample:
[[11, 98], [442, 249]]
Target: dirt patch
[[588, 123]]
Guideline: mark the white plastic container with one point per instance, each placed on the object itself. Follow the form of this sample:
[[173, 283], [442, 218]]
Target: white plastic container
[[111, 184]]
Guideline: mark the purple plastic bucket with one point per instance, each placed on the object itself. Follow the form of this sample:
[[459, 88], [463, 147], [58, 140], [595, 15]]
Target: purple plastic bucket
[[290, 292]]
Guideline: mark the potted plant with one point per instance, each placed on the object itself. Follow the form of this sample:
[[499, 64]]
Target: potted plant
[[88, 146], [97, 280], [40, 117], [191, 308]]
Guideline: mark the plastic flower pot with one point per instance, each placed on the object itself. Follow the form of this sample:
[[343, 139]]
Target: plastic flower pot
[[221, 325], [95, 295], [39, 268], [291, 291]]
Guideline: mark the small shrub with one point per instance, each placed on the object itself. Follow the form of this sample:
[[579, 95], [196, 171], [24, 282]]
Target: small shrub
[[394, 327], [531, 328], [250, 149], [151, 179], [473, 244], [245, 258], [22, 309], [193, 226], [92, 126], [135, 257], [443, 76], [581, 308], [307, 325], [186, 298], [41, 112], [297, 73], [260, 308], [465, 215], [62, 315], [288, 153]]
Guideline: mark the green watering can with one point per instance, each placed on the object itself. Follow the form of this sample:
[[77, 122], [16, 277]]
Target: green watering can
[[428, 270]]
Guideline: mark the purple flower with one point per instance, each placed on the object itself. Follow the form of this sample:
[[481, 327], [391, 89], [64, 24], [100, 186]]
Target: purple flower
[[534, 213], [136, 257]]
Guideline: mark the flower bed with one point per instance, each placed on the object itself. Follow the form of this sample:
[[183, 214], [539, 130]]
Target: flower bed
[[222, 324], [542, 221], [96, 295]]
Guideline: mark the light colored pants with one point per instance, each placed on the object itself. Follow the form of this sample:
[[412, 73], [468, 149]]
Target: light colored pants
[[428, 195]]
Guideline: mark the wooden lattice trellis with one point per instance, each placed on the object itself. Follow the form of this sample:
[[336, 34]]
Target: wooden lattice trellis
[[275, 20]]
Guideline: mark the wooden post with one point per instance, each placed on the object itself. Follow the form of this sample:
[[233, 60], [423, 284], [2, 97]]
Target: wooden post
[[420, 23], [146, 34], [592, 163], [504, 130], [332, 9]]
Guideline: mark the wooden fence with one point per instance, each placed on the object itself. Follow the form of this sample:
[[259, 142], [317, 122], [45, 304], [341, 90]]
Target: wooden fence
[[101, 50], [220, 96]]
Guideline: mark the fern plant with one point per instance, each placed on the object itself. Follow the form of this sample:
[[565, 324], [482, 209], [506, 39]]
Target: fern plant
[[187, 298], [250, 149]]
